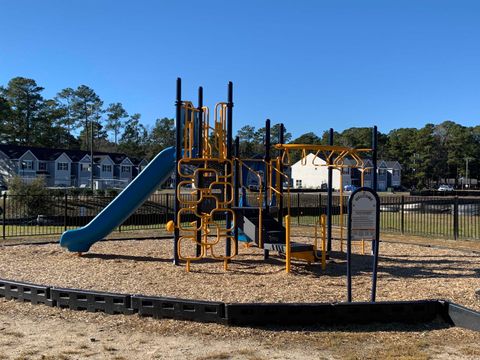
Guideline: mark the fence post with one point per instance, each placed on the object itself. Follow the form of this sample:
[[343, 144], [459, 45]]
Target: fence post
[[402, 216], [455, 218], [319, 206], [167, 206], [65, 212], [4, 216], [120, 228], [298, 208]]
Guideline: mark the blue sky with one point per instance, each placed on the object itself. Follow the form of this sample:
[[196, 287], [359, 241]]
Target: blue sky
[[309, 64]]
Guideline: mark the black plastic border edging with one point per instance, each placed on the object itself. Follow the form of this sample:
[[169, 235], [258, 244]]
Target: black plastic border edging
[[326, 314], [463, 317], [245, 314]]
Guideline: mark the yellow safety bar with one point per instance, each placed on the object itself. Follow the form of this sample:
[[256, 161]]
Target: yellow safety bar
[[323, 225], [279, 175], [220, 129], [188, 129]]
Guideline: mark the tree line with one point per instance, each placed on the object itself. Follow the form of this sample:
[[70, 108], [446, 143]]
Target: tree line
[[73, 119], [428, 155]]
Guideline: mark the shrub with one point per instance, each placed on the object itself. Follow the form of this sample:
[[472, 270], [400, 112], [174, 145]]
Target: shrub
[[29, 199], [88, 192], [111, 192]]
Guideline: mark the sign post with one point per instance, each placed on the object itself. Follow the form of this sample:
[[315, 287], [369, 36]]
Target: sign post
[[363, 224]]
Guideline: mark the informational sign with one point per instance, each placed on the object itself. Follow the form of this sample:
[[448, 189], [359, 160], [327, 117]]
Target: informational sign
[[363, 215], [363, 222]]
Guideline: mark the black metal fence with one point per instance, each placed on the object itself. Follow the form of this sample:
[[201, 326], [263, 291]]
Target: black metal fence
[[449, 217]]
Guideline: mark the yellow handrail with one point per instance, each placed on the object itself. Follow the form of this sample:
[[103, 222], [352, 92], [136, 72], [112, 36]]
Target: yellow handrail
[[279, 174], [220, 127], [188, 129], [322, 223]]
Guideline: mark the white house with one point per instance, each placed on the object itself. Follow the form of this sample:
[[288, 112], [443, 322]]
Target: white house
[[312, 173]]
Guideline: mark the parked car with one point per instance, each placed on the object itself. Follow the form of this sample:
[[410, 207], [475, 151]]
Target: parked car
[[350, 188], [445, 188]]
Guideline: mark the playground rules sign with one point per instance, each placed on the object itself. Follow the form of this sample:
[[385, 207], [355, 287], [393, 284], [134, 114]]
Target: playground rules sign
[[363, 224], [363, 215]]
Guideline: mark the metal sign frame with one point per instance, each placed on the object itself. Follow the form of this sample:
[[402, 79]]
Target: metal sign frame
[[376, 242]]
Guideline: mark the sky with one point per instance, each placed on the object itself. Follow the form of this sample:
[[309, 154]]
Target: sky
[[312, 65]]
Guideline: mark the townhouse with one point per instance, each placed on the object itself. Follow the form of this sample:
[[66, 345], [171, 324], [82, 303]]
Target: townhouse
[[67, 168]]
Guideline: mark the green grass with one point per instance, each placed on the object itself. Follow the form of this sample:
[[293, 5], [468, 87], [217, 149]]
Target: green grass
[[414, 223]]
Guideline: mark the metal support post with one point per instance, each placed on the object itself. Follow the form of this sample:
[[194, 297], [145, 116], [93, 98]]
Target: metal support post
[[229, 169], [178, 156], [329, 195]]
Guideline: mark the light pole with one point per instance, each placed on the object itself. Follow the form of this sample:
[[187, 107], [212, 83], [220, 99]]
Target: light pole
[[91, 154], [467, 159]]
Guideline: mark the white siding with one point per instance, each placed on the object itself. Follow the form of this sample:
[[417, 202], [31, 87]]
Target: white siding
[[312, 176]]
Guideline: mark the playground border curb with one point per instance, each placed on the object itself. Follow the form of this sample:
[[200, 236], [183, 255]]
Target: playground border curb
[[245, 314]]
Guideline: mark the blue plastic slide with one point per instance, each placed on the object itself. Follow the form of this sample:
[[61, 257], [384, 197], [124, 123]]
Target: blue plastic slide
[[125, 204]]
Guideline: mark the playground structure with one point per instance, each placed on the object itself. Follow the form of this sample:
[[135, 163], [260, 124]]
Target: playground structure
[[211, 209], [212, 214]]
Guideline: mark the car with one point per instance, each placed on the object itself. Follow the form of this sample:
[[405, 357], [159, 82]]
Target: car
[[350, 188], [445, 188]]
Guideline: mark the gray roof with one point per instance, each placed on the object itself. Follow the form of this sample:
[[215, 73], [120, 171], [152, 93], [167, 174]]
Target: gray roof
[[16, 151], [391, 164]]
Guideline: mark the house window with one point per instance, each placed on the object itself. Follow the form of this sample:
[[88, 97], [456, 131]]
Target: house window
[[62, 166], [106, 168], [42, 166], [396, 172], [345, 171], [298, 183], [382, 171], [84, 167], [27, 164], [125, 169]]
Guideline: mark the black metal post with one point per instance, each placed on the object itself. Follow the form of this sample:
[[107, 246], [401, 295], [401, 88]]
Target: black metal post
[[4, 214], [178, 155], [267, 159], [349, 251], [65, 211], [281, 140], [199, 155], [167, 207], [91, 154], [266, 175], [236, 184], [229, 169], [329, 195], [374, 165], [455, 218], [298, 209], [374, 159], [402, 216], [376, 247]]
